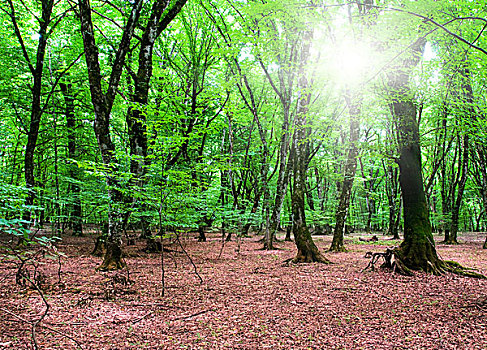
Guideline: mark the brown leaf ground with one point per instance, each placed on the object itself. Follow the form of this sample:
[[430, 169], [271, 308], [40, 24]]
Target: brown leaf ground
[[248, 300]]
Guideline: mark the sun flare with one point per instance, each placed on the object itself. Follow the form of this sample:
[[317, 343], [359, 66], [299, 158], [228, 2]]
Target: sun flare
[[350, 62]]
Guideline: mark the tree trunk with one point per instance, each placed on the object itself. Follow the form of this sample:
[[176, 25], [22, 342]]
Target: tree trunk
[[469, 112], [102, 104], [74, 189], [136, 116], [307, 250], [350, 169], [417, 251], [36, 110]]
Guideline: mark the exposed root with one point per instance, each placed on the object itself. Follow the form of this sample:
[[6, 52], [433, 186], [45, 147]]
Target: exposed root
[[338, 249], [387, 257], [310, 258], [401, 268], [111, 265], [456, 268], [450, 242], [394, 260]]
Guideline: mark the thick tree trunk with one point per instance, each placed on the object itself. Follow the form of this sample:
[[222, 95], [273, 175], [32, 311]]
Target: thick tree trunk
[[307, 250], [417, 251], [201, 233], [136, 117], [349, 176]]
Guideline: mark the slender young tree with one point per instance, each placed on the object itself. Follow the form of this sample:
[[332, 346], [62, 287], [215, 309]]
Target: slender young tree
[[36, 69], [468, 111], [354, 104]]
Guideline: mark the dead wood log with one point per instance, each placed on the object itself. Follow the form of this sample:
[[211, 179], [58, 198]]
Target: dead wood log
[[372, 239], [387, 257]]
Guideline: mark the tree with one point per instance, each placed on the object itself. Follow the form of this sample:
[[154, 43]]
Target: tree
[[307, 250], [102, 105], [353, 104], [417, 251], [36, 70], [159, 18], [75, 189]]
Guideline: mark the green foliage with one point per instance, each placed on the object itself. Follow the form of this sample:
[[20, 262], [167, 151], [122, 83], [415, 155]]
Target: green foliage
[[194, 166]]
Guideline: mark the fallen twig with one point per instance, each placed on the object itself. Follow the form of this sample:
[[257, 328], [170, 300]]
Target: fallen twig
[[192, 315], [190, 259]]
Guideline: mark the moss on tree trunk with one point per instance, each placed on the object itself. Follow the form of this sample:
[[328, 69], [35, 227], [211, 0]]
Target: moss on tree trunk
[[417, 251]]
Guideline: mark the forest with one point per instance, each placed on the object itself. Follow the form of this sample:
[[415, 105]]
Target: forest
[[243, 174]]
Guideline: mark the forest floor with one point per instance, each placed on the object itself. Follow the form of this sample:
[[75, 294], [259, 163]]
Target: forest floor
[[248, 299]]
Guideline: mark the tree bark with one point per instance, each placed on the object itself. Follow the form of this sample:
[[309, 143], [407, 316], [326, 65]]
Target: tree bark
[[349, 176], [307, 250], [136, 117], [102, 105], [417, 251], [74, 188], [36, 109]]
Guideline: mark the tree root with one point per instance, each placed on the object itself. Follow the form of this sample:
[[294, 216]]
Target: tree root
[[310, 258], [393, 260], [374, 258], [338, 249], [450, 242], [457, 269]]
